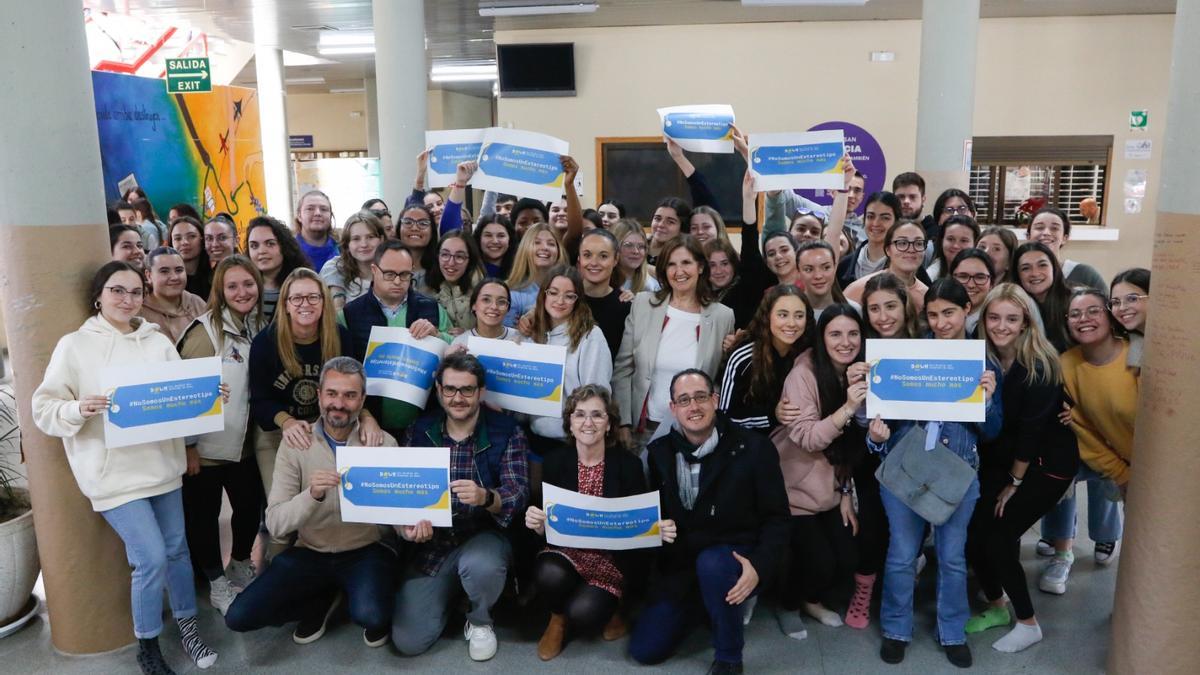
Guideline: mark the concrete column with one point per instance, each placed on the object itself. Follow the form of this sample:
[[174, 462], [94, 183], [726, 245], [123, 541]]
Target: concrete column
[[54, 232], [1157, 594], [272, 112], [946, 93], [401, 82], [372, 117]]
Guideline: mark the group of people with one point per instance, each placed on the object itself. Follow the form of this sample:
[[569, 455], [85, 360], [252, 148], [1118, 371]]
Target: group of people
[[730, 379]]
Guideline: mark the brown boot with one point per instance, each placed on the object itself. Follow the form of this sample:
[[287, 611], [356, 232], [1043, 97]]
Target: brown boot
[[616, 627], [551, 644]]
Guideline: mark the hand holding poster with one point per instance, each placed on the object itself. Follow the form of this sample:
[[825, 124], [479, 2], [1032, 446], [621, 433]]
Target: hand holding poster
[[699, 128], [399, 367], [521, 163], [926, 380], [809, 160], [523, 378], [395, 486], [158, 401], [449, 148], [619, 524]]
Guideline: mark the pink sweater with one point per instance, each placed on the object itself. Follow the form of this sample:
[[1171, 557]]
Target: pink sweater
[[807, 475]]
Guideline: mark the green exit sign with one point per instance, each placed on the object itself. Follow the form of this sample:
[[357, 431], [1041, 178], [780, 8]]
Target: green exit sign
[[188, 76]]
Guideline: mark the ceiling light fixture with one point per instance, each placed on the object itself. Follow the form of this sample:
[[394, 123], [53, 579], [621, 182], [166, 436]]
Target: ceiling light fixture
[[464, 73], [338, 51], [347, 90], [803, 3], [528, 9], [346, 42], [305, 80]]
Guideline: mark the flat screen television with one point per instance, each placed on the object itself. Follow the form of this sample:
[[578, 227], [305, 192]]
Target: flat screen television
[[536, 70]]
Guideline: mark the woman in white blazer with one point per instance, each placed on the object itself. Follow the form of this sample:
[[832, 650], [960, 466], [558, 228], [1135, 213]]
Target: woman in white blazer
[[679, 327]]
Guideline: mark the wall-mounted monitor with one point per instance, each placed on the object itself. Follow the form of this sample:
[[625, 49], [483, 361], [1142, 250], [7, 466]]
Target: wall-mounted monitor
[[536, 70]]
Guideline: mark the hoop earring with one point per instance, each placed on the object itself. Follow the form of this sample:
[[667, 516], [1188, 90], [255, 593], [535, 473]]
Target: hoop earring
[[96, 304]]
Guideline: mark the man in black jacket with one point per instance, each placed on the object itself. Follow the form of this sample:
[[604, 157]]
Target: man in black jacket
[[723, 488]]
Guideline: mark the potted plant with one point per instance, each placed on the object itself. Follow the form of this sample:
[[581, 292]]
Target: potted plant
[[18, 546]]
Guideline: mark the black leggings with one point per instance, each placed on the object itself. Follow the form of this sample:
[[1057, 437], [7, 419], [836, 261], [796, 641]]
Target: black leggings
[[202, 510], [872, 520], [822, 550], [586, 607], [994, 544]]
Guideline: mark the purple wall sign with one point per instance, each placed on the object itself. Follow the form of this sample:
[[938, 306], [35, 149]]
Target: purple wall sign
[[868, 159]]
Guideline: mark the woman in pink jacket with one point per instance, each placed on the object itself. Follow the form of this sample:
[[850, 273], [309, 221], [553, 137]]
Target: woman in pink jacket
[[817, 453]]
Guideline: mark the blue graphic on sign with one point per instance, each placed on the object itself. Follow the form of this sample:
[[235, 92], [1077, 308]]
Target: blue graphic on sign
[[578, 522], [781, 160], [407, 488], [698, 126], [139, 405], [400, 363], [927, 380], [527, 379], [868, 159], [527, 165], [445, 158]]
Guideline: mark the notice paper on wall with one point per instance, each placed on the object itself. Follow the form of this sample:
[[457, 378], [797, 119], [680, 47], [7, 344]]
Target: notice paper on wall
[[400, 367], [808, 160], [522, 163], [159, 401], [926, 380], [447, 149], [612, 524], [524, 378], [699, 128], [394, 486]]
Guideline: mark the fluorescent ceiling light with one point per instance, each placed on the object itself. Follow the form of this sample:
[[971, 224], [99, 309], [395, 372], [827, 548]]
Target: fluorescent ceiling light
[[462, 78], [526, 9], [347, 90], [338, 51], [305, 80], [802, 3], [346, 38], [479, 72], [291, 59]]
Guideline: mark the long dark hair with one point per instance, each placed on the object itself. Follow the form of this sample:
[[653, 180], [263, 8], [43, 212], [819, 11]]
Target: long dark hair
[[939, 204], [100, 279], [767, 368], [831, 388], [683, 211], [1134, 276], [506, 262], [940, 254], [1058, 298], [890, 283], [289, 248], [473, 272]]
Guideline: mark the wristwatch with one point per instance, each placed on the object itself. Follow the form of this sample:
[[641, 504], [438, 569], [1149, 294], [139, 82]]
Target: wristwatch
[[491, 499]]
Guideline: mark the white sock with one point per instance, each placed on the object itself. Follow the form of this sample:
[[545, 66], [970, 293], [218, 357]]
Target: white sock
[[1020, 637], [820, 613], [748, 606], [790, 624]]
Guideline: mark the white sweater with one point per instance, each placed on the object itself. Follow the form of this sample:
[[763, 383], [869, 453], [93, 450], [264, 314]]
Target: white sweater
[[591, 363], [109, 478]]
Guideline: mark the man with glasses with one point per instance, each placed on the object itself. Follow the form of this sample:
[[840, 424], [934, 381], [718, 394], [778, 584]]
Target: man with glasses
[[489, 484], [393, 302], [723, 488]]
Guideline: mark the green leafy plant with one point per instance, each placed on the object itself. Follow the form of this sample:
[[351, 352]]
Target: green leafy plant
[[14, 501]]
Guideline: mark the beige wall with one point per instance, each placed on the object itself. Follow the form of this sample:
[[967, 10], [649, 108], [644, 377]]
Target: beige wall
[[1076, 75], [329, 117]]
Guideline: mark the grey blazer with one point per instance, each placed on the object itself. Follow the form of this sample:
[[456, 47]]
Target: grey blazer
[[634, 365]]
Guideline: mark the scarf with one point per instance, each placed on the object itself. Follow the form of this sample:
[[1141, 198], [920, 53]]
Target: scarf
[[687, 463]]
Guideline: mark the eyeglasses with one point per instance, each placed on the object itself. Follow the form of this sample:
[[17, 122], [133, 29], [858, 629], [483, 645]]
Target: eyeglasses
[[701, 398], [974, 279], [963, 210], [633, 246], [450, 392], [311, 298], [423, 224], [497, 302], [905, 245], [569, 296], [390, 276], [119, 292], [447, 256], [594, 416], [1128, 300], [1091, 313], [381, 213]]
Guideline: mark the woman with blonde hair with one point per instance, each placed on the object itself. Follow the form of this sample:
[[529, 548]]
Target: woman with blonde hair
[[707, 224], [633, 244], [539, 251], [1025, 470], [348, 274]]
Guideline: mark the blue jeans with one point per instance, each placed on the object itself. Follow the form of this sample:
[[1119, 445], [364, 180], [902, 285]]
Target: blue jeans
[[899, 572], [666, 621], [155, 544], [1105, 522], [300, 581]]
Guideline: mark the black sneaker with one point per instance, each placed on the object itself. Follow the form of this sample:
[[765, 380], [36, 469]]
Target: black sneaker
[[959, 655], [377, 638], [312, 627], [150, 658], [724, 667], [892, 651]]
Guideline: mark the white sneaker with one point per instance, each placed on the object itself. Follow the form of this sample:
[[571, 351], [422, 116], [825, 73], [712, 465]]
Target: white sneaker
[[1044, 548], [481, 641], [221, 594], [1106, 553], [748, 609], [241, 573], [1054, 577]]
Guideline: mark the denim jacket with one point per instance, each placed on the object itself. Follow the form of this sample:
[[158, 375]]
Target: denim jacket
[[961, 438]]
